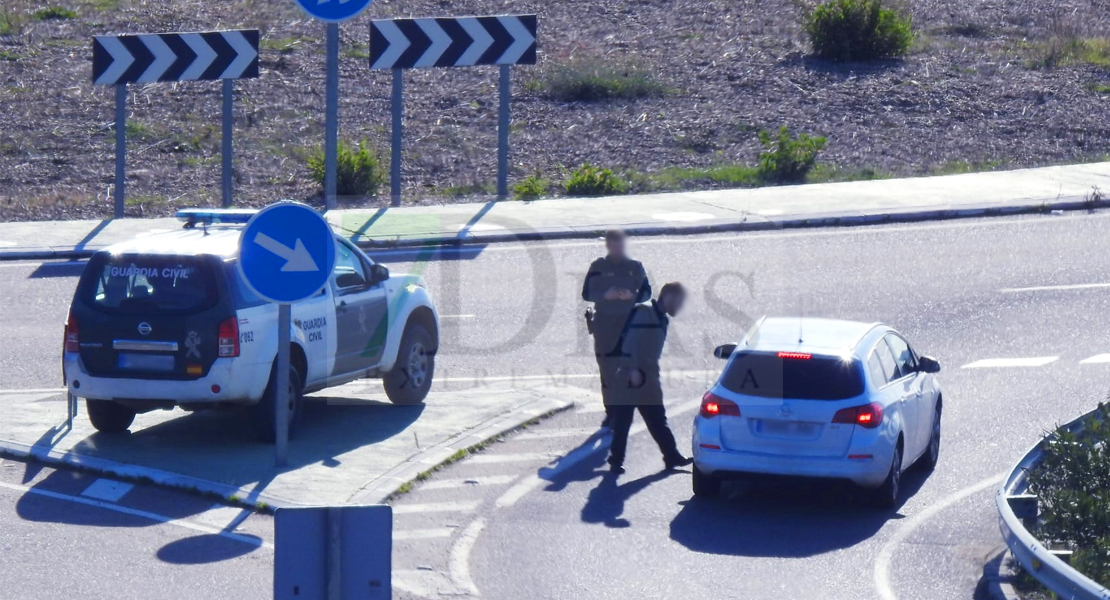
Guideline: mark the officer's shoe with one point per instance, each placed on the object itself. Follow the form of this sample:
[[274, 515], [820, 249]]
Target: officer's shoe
[[616, 469], [678, 461]]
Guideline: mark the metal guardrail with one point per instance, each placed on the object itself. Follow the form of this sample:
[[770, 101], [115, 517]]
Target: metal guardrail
[[1016, 508]]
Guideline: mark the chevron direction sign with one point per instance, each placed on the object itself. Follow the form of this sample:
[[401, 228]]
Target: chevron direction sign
[[149, 58], [453, 42]]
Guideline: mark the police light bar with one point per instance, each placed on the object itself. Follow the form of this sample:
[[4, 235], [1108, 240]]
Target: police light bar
[[215, 216]]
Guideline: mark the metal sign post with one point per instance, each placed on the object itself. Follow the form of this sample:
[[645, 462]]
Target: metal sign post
[[122, 59], [333, 553], [286, 254], [453, 42], [331, 12]]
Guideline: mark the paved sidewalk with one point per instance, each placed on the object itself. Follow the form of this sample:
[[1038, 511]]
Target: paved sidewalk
[[353, 446], [975, 194]]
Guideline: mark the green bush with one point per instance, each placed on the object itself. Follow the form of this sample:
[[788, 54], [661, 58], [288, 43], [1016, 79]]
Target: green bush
[[786, 158], [359, 172], [1072, 482], [55, 12], [592, 80], [531, 187], [855, 30], [589, 180]]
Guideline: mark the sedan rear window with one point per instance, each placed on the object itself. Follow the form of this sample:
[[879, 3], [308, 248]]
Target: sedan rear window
[[767, 375], [148, 284]]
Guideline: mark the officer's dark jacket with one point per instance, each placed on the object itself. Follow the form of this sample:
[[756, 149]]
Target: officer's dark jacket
[[626, 274]]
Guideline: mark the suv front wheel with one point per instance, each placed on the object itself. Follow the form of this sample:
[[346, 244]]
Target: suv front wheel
[[411, 377], [108, 416]]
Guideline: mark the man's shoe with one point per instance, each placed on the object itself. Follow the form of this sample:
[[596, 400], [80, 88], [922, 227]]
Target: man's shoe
[[616, 469], [678, 461]]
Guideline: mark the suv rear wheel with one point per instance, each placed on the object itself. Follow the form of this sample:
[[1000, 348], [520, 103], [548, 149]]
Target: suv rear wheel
[[263, 415], [108, 416], [411, 377]]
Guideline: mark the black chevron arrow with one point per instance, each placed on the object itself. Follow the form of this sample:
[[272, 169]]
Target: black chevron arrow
[[418, 40], [460, 41], [185, 57], [143, 57], [501, 40], [101, 59], [225, 55]]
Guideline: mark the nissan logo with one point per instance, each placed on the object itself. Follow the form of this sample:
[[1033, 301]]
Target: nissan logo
[[144, 328]]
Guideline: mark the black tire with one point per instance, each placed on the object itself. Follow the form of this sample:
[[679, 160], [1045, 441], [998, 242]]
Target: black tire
[[108, 416], [929, 460], [890, 492], [411, 377], [262, 415], [706, 485]]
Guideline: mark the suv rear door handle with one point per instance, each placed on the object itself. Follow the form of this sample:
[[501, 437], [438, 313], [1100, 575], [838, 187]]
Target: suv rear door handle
[[342, 306]]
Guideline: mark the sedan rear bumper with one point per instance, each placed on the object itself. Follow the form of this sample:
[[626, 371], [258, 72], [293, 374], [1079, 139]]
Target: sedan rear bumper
[[865, 472]]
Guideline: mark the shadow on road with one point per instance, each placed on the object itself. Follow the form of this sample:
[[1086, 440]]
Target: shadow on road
[[778, 518], [605, 503]]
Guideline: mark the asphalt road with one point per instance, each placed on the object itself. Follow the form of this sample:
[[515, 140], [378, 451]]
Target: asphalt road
[[511, 523]]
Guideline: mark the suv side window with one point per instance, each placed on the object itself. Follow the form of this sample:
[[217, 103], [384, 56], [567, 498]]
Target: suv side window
[[904, 359], [350, 272], [881, 354]]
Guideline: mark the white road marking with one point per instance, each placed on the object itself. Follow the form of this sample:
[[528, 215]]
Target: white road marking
[[423, 534], [556, 377], [107, 490], [1096, 359], [451, 484], [495, 459], [909, 525], [1034, 361], [459, 559], [17, 265], [435, 507], [226, 518], [1056, 288], [583, 432], [246, 539], [32, 391]]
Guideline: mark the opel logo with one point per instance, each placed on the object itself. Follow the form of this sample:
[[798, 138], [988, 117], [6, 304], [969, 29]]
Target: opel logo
[[144, 328]]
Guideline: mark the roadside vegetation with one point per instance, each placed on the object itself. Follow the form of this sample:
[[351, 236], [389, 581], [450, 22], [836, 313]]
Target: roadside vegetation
[[1073, 485], [858, 30], [359, 170], [595, 80]]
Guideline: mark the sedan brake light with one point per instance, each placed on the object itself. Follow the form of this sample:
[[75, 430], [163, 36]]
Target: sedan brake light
[[228, 336], [868, 416], [713, 405], [71, 335]]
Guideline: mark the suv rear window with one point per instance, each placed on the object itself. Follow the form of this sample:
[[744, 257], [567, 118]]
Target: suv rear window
[[817, 378], [130, 284]]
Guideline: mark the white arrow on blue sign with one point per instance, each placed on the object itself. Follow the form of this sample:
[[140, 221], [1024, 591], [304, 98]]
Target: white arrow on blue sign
[[333, 11], [286, 252]]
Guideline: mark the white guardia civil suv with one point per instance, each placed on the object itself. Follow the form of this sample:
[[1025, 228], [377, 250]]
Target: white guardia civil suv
[[166, 320], [819, 398]]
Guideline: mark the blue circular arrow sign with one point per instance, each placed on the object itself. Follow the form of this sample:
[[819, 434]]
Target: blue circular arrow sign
[[286, 252], [333, 10]]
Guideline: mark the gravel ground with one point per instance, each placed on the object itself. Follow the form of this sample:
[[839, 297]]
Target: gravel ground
[[964, 98]]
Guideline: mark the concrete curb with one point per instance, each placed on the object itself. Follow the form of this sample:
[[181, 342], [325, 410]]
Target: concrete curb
[[747, 223], [390, 482], [376, 492]]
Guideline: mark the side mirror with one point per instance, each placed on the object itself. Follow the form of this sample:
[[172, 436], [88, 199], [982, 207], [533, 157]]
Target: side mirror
[[724, 351], [378, 273], [928, 364]]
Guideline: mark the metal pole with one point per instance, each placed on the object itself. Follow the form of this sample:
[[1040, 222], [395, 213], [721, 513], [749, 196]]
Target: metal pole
[[229, 116], [333, 553], [331, 117], [121, 146], [503, 135], [281, 416], [395, 157]]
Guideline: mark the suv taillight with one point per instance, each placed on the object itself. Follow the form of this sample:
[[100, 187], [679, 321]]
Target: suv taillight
[[228, 336], [71, 337], [713, 405], [869, 416]]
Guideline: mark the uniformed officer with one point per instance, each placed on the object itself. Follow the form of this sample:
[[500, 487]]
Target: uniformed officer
[[614, 283], [643, 387]]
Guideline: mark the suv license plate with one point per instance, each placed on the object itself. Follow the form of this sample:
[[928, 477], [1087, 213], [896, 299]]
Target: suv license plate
[[146, 362]]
